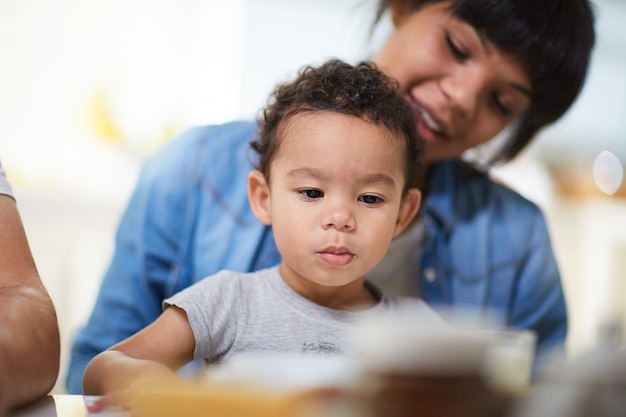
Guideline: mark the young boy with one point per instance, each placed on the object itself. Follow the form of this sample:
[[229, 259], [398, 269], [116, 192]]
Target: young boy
[[336, 178]]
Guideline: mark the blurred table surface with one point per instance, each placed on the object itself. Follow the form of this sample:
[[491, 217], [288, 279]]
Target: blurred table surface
[[62, 406]]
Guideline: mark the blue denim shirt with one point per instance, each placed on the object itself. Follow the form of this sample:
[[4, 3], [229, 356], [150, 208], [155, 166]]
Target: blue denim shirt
[[189, 217]]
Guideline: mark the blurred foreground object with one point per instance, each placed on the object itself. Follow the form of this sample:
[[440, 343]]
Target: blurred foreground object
[[593, 384], [403, 370], [465, 370], [255, 384]]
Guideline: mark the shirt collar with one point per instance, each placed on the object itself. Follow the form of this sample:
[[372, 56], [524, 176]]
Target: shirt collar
[[440, 195]]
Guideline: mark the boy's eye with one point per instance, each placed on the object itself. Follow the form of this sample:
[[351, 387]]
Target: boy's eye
[[370, 199], [456, 51], [312, 194]]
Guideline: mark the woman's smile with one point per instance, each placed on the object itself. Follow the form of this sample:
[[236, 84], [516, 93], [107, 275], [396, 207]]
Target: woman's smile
[[430, 125]]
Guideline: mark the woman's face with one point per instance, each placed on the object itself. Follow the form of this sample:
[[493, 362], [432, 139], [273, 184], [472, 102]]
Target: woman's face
[[463, 89]]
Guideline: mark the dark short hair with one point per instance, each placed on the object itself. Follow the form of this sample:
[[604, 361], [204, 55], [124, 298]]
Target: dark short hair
[[361, 91], [553, 39]]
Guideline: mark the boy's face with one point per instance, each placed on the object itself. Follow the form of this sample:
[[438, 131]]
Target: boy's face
[[335, 199]]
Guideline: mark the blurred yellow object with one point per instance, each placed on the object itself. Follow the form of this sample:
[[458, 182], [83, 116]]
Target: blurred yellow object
[[224, 400], [99, 116]]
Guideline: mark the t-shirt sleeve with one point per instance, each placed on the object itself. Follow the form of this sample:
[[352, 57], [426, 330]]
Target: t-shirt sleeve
[[213, 306], [5, 186]]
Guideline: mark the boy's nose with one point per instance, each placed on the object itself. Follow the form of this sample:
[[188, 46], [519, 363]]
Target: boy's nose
[[339, 218]]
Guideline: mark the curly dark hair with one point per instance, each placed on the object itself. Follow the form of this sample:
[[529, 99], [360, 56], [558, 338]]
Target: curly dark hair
[[553, 38], [362, 91]]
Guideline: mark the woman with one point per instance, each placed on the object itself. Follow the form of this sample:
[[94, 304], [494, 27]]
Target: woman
[[469, 68]]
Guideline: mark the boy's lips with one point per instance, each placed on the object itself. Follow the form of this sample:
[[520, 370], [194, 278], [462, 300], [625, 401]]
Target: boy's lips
[[336, 256]]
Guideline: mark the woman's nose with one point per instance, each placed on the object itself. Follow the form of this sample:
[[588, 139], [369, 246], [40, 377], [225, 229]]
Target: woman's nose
[[463, 90]]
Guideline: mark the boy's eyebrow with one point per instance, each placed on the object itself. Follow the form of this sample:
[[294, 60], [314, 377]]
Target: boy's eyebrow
[[306, 172], [378, 178], [317, 173]]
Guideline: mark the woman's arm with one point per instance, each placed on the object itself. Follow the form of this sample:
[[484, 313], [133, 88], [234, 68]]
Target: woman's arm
[[151, 356], [29, 333]]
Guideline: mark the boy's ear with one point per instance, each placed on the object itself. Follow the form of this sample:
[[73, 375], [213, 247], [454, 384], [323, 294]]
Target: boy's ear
[[259, 196], [408, 210], [400, 10]]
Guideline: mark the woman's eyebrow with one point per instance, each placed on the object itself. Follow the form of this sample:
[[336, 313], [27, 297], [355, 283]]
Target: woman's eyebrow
[[522, 89], [483, 41]]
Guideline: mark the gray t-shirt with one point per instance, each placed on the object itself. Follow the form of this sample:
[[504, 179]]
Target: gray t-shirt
[[232, 312], [398, 272], [5, 187]]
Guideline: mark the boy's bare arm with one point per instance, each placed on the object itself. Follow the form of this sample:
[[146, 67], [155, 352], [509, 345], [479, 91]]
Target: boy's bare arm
[[149, 357]]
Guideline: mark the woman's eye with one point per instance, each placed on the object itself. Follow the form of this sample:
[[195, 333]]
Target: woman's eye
[[503, 108], [456, 51], [312, 194], [370, 199]]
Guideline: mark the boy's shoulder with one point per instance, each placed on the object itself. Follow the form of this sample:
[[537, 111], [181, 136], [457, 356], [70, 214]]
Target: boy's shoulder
[[405, 306], [228, 277]]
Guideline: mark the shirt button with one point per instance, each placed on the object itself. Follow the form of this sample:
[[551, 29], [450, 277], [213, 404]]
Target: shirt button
[[429, 274]]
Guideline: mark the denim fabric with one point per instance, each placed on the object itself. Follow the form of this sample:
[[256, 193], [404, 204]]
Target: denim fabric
[[488, 248], [189, 217]]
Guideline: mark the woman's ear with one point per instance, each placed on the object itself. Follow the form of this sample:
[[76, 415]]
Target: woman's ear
[[399, 9], [259, 197], [408, 210]]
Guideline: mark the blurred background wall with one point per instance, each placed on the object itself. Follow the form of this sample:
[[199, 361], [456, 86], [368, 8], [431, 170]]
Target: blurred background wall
[[88, 89]]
